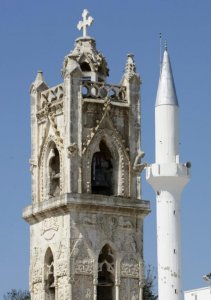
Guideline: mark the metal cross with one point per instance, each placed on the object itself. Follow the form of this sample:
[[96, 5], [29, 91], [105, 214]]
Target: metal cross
[[87, 21]]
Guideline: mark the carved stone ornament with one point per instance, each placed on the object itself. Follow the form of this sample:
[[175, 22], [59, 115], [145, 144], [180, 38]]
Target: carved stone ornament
[[108, 224], [80, 251], [130, 68], [126, 223], [49, 227], [129, 267], [130, 244], [61, 268], [84, 267], [72, 150], [138, 165], [58, 137], [51, 102], [35, 256], [61, 252], [37, 275], [88, 220], [85, 51], [33, 165], [37, 288]]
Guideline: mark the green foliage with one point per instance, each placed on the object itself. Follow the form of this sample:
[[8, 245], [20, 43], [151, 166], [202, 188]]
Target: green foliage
[[148, 290], [17, 295]]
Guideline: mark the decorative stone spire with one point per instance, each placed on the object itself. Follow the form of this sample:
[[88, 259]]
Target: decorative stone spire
[[130, 68], [39, 78], [87, 21], [166, 94], [39, 82]]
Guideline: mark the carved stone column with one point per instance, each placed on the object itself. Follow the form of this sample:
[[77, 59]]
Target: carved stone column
[[95, 282], [141, 285], [117, 284]]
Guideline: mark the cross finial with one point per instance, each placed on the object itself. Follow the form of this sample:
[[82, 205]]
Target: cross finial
[[87, 21]]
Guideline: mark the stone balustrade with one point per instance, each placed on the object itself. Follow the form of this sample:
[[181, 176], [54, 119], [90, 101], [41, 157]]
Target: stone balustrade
[[53, 94], [51, 102], [98, 90], [52, 99]]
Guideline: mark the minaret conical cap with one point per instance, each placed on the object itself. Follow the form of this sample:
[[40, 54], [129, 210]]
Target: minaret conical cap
[[166, 93]]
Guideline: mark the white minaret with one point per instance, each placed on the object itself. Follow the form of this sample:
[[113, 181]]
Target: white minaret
[[168, 178]]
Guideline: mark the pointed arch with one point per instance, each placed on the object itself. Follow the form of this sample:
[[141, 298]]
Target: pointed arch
[[121, 165], [90, 63], [85, 60], [106, 274], [50, 166], [53, 164], [49, 274], [102, 171]]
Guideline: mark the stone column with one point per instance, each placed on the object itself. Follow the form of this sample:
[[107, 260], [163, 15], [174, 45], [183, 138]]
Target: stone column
[[95, 282], [140, 291], [117, 284]]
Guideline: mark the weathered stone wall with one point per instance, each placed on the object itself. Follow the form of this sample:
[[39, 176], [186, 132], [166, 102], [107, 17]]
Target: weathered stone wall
[[76, 240]]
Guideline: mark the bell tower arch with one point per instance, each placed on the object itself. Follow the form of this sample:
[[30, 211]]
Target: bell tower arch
[[102, 173], [86, 183]]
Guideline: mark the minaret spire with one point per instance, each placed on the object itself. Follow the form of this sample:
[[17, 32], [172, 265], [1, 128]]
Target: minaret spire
[[166, 93], [168, 178]]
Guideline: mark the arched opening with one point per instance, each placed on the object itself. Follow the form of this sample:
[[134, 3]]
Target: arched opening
[[54, 172], [106, 274], [85, 67], [102, 171], [49, 275]]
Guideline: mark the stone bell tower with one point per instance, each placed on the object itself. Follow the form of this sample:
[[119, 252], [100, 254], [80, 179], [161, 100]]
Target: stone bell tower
[[86, 217]]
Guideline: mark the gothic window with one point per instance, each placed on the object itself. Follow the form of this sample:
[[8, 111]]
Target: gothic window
[[105, 288], [102, 171], [49, 275], [54, 172]]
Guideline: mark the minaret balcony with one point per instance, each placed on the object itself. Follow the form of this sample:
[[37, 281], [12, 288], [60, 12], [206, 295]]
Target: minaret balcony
[[169, 175]]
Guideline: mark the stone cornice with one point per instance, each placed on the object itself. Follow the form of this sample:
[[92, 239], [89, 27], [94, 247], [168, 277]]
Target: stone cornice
[[87, 202]]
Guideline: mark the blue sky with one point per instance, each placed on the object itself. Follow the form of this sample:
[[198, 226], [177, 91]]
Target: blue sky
[[37, 35]]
